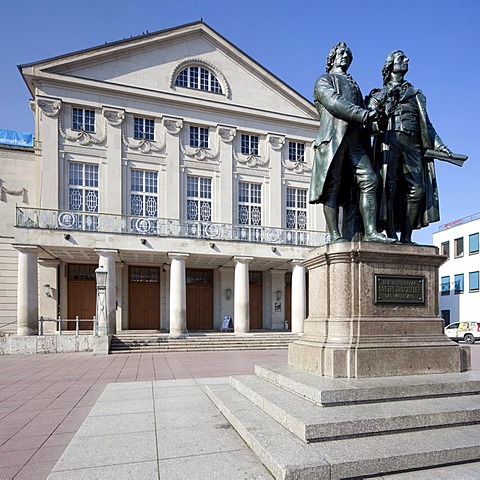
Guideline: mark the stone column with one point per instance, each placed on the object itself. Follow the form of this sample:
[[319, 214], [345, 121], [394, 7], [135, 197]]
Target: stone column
[[27, 293], [241, 308], [106, 258], [299, 310], [178, 295]]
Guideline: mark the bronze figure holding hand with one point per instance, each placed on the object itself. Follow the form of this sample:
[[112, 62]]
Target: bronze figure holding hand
[[342, 171]]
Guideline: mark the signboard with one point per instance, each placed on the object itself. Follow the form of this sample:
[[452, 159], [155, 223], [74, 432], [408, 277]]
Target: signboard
[[16, 139], [400, 289], [227, 323]]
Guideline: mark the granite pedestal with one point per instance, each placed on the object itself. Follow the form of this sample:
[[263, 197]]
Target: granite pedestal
[[374, 313]]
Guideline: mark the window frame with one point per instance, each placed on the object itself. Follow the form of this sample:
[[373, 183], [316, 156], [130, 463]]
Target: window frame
[[142, 131], [474, 289], [146, 192], [249, 144], [475, 249], [198, 77], [296, 151], [83, 120], [202, 195], [253, 192], [445, 248], [445, 282], [459, 247], [459, 283], [199, 137]]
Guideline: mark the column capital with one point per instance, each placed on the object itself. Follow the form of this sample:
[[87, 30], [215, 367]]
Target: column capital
[[48, 262], [298, 261], [107, 252], [178, 256], [26, 248], [239, 259]]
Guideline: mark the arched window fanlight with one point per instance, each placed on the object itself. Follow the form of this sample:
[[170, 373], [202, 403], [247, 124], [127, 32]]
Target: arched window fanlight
[[198, 77]]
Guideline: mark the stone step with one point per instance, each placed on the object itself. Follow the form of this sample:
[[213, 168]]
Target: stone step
[[128, 343], [288, 457], [193, 349], [340, 391], [312, 423]]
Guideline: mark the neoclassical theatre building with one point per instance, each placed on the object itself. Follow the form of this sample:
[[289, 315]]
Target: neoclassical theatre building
[[179, 164]]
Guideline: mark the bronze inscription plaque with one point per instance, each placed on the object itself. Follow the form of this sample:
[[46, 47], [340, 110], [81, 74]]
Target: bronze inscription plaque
[[400, 289]]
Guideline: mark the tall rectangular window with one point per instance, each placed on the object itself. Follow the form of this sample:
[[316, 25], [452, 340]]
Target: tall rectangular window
[[199, 198], [83, 193], [296, 152], [249, 203], [143, 193], [459, 247], [83, 120], [198, 137], [458, 283], [144, 129], [473, 281], [445, 249], [445, 285], [296, 214], [249, 144], [473, 243]]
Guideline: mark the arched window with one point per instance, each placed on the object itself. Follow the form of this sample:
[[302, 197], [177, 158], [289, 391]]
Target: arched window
[[199, 78]]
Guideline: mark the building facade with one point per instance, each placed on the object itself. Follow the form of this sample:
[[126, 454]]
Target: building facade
[[459, 275], [180, 165]]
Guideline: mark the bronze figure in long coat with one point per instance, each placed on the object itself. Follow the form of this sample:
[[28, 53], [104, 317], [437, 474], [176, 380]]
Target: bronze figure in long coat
[[342, 172]]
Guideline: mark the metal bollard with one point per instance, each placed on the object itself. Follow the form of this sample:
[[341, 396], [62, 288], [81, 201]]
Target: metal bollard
[[59, 325], [76, 325], [41, 325]]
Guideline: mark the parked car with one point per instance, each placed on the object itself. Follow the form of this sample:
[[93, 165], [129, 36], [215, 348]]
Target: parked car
[[467, 331]]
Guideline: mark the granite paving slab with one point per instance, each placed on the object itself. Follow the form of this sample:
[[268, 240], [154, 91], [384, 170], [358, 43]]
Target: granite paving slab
[[173, 432]]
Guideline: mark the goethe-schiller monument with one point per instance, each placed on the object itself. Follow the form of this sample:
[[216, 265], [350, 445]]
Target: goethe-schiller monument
[[373, 386]]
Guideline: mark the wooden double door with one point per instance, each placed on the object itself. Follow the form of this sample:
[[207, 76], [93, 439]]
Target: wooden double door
[[256, 303], [81, 295], [199, 299], [144, 298]]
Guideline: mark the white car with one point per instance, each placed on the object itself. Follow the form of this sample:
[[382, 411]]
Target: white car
[[467, 331]]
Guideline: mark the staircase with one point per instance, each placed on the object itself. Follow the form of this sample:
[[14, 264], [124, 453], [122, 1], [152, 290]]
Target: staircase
[[302, 425], [155, 342]]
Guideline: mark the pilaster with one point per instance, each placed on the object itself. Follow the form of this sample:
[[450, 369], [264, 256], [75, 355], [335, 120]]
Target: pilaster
[[27, 292]]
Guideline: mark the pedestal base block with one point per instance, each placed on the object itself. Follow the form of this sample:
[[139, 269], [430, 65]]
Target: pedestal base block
[[374, 313]]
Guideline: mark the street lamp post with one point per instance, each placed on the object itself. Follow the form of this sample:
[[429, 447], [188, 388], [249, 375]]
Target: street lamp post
[[101, 310]]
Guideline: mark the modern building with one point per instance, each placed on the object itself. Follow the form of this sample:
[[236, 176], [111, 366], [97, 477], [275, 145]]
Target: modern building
[[459, 275], [180, 165]]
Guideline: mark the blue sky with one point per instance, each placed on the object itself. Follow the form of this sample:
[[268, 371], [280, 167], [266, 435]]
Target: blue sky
[[292, 40]]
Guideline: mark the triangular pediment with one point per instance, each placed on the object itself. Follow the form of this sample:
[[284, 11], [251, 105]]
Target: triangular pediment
[[150, 63]]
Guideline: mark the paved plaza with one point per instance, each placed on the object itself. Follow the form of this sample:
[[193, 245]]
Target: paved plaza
[[45, 399]]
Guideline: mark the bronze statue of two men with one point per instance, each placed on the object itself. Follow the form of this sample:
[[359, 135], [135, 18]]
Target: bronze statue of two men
[[391, 187]]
